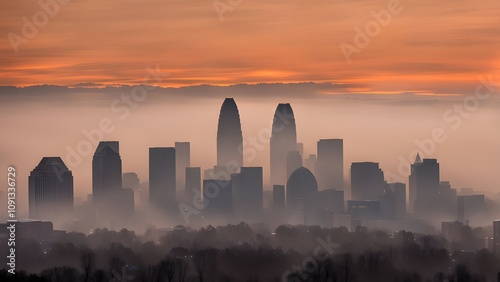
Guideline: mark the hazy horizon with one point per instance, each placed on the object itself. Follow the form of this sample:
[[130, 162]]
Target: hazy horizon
[[45, 121]]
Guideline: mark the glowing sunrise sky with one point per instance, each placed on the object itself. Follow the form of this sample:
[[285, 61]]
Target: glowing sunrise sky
[[429, 47]]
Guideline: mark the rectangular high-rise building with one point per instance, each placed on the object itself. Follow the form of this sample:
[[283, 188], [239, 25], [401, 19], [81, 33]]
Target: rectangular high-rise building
[[310, 162], [496, 236], [278, 198], [293, 162], [162, 189], [182, 160], [471, 209], [300, 148], [331, 200], [50, 190], [218, 198], [193, 182], [247, 189], [367, 181], [388, 205], [399, 192], [125, 202], [447, 199], [130, 180], [424, 185], [330, 164], [106, 171]]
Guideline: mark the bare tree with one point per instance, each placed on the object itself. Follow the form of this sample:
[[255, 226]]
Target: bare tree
[[87, 260], [168, 267], [115, 266], [346, 268], [60, 274], [205, 262], [182, 268], [99, 275], [150, 273]]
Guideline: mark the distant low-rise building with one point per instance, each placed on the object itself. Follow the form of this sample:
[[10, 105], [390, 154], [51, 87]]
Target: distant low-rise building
[[471, 209], [31, 229]]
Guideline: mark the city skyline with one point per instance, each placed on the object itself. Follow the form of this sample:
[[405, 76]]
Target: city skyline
[[259, 151], [243, 190]]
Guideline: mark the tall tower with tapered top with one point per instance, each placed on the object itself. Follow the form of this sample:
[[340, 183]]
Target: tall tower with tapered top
[[229, 137], [283, 141]]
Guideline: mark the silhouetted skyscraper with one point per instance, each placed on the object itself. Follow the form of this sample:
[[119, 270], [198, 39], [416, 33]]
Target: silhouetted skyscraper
[[331, 200], [412, 183], [496, 236], [367, 181], [293, 162], [388, 204], [247, 189], [229, 138], [193, 182], [424, 185], [330, 164], [106, 172], [131, 180], [50, 189], [283, 140], [471, 209], [162, 189], [301, 190], [446, 199], [300, 148], [124, 201], [182, 160], [218, 198], [399, 191], [310, 162]]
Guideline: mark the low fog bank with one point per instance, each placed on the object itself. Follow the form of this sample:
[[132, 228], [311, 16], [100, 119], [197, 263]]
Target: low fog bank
[[254, 253]]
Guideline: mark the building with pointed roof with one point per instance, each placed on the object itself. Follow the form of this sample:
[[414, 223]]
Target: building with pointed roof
[[229, 138], [283, 140]]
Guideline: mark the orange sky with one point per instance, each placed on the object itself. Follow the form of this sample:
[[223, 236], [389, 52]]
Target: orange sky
[[429, 47]]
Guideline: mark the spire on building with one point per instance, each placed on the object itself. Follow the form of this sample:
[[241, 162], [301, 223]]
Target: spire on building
[[418, 160]]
